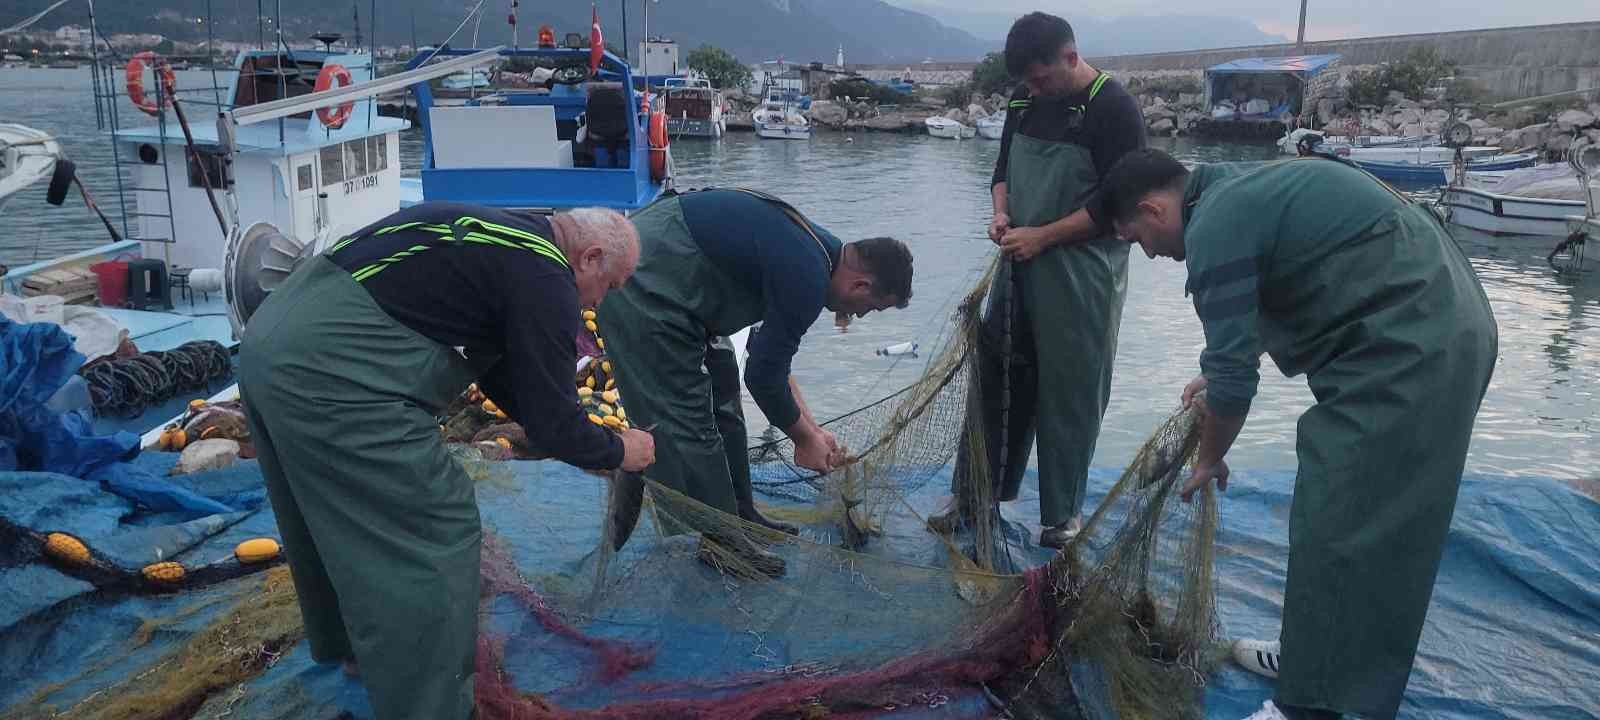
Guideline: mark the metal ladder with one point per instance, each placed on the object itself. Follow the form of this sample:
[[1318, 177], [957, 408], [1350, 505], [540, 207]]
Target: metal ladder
[[107, 99]]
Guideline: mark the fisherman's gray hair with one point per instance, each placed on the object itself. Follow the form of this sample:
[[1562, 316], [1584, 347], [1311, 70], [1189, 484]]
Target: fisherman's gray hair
[[606, 229]]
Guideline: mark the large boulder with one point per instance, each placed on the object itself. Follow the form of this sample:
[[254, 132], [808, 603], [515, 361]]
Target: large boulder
[[1398, 98], [1436, 116], [1477, 124], [1191, 99], [975, 111], [1413, 130], [1325, 110], [1164, 126], [1159, 112], [1408, 116], [1570, 120], [1380, 126], [824, 112], [1432, 127], [1533, 135], [957, 115], [1557, 143]]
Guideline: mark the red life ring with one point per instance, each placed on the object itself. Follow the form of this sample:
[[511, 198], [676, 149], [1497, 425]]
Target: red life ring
[[334, 117], [135, 77], [658, 146]]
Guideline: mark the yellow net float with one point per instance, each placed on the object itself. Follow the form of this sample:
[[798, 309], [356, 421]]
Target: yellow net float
[[503, 442], [589, 315], [255, 551], [490, 407], [611, 384], [596, 419], [606, 409], [609, 396], [613, 422], [591, 325], [66, 548], [585, 392], [589, 382], [605, 365], [196, 404], [166, 573], [600, 342]]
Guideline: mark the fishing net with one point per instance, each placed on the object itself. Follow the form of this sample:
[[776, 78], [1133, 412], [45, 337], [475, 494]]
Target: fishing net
[[741, 621], [701, 615]]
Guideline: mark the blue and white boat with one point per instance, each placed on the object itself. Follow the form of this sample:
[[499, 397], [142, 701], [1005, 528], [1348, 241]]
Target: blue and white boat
[[1433, 174], [583, 142]]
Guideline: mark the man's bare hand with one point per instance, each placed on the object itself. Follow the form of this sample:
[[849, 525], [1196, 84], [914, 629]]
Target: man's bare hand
[[638, 450]]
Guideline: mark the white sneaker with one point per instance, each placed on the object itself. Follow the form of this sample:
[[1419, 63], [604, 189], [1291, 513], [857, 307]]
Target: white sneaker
[[1268, 711], [1257, 656]]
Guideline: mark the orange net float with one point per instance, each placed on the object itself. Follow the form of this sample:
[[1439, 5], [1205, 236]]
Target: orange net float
[[334, 118], [135, 77]]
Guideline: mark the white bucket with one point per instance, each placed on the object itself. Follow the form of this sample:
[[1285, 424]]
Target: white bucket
[[45, 308]]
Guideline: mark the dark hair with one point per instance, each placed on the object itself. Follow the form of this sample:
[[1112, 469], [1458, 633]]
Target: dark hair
[[1136, 175], [888, 261], [1035, 38]]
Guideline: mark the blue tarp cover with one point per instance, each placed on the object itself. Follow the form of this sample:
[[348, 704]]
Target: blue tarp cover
[[1300, 64], [1513, 632]]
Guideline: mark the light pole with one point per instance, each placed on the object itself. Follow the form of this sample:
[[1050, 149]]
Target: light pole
[[1300, 41]]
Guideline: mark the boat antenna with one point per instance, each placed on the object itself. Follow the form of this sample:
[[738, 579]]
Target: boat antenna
[[355, 14], [453, 33], [625, 56]]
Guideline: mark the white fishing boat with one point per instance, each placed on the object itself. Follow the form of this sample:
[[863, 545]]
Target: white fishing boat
[[26, 157], [1540, 200], [474, 79], [943, 127], [1290, 143], [779, 119], [993, 126]]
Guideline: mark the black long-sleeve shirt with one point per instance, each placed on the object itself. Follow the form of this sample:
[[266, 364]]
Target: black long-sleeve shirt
[[1110, 126], [756, 244], [492, 300]]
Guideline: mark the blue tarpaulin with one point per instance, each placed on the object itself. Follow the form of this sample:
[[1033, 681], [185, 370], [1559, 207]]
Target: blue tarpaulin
[[36, 360], [1513, 631], [1305, 65]]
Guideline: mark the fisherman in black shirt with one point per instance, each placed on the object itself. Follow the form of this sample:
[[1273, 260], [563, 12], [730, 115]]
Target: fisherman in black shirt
[[342, 371], [1058, 296]]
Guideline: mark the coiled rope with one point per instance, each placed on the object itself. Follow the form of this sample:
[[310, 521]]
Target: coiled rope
[[129, 385]]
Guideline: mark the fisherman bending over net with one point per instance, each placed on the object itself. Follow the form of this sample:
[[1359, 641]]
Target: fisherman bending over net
[[1364, 291], [715, 262], [343, 369]]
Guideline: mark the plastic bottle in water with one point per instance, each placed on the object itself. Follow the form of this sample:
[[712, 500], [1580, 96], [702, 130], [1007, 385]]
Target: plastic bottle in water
[[898, 349]]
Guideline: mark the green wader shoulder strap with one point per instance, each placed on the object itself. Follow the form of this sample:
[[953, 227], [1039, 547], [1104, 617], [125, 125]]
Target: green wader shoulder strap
[[466, 229], [794, 215]]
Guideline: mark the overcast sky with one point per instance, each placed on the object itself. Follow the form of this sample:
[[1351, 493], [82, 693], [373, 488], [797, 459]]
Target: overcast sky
[[1325, 20]]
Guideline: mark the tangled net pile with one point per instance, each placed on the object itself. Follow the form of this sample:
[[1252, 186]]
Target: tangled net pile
[[126, 386], [849, 632]]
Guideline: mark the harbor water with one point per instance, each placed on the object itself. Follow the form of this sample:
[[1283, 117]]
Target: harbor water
[[1540, 418]]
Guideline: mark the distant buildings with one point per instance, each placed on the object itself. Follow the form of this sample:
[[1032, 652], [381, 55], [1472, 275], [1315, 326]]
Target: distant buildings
[[659, 56]]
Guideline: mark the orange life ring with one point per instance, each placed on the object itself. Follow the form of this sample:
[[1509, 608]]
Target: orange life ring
[[334, 117], [135, 77], [658, 146]]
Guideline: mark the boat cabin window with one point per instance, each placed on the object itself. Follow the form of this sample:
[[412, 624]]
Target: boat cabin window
[[302, 176], [272, 77], [354, 158], [212, 162]]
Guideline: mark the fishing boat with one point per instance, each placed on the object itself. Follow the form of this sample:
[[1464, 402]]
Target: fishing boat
[[1433, 173], [1526, 201], [475, 79], [591, 139], [26, 157], [1290, 143], [779, 119], [993, 126], [943, 127], [1546, 200], [693, 107]]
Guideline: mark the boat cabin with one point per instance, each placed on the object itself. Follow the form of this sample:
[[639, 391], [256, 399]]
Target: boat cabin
[[309, 177]]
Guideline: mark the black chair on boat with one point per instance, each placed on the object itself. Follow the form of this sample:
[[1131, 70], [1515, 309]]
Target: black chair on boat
[[607, 116]]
